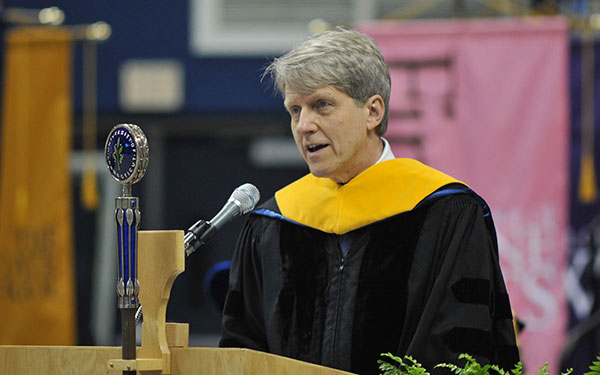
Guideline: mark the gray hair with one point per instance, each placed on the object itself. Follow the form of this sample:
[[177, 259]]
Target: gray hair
[[345, 59]]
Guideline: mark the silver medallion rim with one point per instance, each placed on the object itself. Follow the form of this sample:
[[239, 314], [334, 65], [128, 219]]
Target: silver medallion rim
[[142, 153]]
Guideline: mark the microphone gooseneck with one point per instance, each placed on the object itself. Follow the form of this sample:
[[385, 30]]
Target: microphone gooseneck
[[242, 200]]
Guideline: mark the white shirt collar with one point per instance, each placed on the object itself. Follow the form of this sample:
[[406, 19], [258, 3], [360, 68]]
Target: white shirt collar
[[387, 153]]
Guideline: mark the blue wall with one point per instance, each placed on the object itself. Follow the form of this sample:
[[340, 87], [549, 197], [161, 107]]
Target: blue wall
[[159, 29]]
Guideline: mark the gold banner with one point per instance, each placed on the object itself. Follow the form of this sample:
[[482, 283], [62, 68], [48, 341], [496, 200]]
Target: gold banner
[[36, 240]]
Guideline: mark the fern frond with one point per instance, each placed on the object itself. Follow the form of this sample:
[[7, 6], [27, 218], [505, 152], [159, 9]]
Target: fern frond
[[453, 368], [594, 367], [518, 370], [415, 367], [417, 371], [468, 357], [385, 364], [543, 370], [389, 369], [499, 370], [393, 357], [406, 366]]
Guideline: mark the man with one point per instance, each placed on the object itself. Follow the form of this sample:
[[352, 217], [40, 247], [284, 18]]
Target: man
[[367, 254]]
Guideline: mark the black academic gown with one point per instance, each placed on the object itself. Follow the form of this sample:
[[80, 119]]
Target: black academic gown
[[425, 282]]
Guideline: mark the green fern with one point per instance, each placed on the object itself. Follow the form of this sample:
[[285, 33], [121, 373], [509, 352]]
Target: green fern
[[472, 367], [518, 370], [594, 367], [455, 369], [499, 370], [543, 370], [406, 366], [409, 366]]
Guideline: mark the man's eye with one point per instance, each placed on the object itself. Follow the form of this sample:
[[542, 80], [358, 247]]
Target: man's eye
[[323, 104], [294, 111]]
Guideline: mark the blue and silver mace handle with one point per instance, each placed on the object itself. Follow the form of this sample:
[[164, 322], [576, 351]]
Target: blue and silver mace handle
[[127, 215], [126, 153]]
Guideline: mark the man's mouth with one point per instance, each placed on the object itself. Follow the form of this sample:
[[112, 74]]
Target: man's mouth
[[316, 147]]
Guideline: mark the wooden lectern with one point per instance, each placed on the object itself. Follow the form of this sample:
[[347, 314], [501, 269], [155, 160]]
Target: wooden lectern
[[164, 347]]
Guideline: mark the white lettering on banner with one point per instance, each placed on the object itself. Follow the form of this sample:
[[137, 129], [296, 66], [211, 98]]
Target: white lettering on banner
[[581, 300], [580, 296], [530, 256]]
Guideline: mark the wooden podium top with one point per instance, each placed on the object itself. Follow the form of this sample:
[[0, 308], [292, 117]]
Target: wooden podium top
[[87, 360]]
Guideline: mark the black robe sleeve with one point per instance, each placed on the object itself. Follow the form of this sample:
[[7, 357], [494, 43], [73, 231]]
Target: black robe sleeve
[[243, 323], [457, 300]]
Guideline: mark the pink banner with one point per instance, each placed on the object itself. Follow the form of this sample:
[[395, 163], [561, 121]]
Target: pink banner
[[486, 101]]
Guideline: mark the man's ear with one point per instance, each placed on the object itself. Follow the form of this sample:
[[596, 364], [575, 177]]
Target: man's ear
[[376, 108]]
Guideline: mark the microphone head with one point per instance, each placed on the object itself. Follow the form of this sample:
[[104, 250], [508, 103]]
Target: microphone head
[[246, 197]]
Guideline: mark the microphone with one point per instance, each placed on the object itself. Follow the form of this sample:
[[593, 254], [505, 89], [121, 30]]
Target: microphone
[[242, 200]]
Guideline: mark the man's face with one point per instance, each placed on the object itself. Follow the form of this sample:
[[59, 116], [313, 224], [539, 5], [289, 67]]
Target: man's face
[[333, 133]]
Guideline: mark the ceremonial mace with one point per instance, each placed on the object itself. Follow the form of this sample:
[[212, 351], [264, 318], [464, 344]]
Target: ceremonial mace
[[126, 153]]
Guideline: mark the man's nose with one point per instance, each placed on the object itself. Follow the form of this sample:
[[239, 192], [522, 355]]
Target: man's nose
[[307, 122]]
